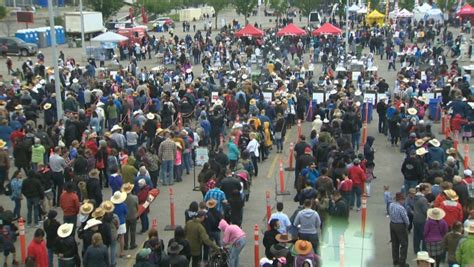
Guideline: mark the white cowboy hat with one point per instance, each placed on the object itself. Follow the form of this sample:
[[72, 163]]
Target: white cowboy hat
[[424, 256], [470, 228], [244, 76], [65, 230], [436, 214], [92, 222], [325, 120], [333, 92], [357, 93], [118, 197], [150, 116], [75, 80], [47, 106], [100, 104], [421, 151], [434, 142], [18, 107], [189, 71], [412, 111], [292, 77], [115, 128]]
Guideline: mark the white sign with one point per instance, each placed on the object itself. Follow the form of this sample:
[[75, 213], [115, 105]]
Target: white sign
[[369, 98], [428, 96], [215, 96], [355, 75], [267, 96], [319, 97], [201, 156]]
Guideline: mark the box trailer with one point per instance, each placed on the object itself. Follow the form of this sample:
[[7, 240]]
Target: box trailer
[[93, 22]]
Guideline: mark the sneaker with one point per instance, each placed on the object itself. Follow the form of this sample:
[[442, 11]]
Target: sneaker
[[358, 209]]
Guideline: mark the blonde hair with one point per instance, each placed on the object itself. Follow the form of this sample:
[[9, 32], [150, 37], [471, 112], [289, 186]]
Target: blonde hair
[[97, 240]]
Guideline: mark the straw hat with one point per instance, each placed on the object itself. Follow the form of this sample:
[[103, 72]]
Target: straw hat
[[333, 92], [253, 101], [75, 80], [118, 197], [436, 214], [86, 208], [107, 206], [159, 131], [434, 142], [244, 76], [94, 173], [211, 203], [150, 116], [284, 238], [412, 111], [178, 145], [47, 106], [18, 107], [470, 228], [451, 151], [115, 128], [127, 187], [303, 247], [419, 142], [65, 230], [91, 223], [421, 99], [357, 93], [421, 151], [98, 213], [424, 256], [2, 143], [451, 194]]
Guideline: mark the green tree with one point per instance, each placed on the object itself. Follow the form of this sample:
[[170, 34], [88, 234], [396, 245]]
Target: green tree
[[244, 7], [158, 6], [279, 6], [107, 7], [218, 6], [451, 3], [409, 4], [306, 6], [3, 12]]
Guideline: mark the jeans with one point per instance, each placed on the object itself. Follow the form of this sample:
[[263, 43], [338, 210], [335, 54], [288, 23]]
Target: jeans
[[145, 222], [32, 204], [279, 144], [418, 229], [382, 124], [111, 122], [399, 237], [187, 162], [132, 149], [113, 252], [167, 168], [58, 182], [355, 140], [234, 252], [347, 196], [356, 196], [154, 177], [17, 208], [409, 184], [50, 257], [178, 173], [255, 165], [3, 176]]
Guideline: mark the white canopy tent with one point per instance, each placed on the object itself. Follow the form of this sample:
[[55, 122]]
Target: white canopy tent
[[110, 37], [354, 8], [435, 14], [420, 11], [362, 10], [401, 14]]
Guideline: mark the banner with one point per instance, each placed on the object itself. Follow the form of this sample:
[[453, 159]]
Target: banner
[[201, 156]]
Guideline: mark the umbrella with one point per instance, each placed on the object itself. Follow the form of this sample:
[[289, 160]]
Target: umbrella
[[327, 29], [291, 30], [249, 31], [110, 37], [354, 8]]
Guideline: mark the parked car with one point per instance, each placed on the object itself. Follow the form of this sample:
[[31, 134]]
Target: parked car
[[160, 22], [18, 46]]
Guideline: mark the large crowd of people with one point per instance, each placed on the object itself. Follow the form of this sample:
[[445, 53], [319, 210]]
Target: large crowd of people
[[135, 129]]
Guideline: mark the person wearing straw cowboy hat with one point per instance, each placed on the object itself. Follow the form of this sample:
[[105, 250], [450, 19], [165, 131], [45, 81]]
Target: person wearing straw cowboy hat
[[91, 227], [66, 246], [110, 221], [131, 221], [451, 206], [94, 187], [304, 253], [118, 199], [435, 153], [423, 259], [464, 255], [434, 230], [118, 137]]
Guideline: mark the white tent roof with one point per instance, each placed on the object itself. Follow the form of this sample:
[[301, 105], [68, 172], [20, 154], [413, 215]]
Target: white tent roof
[[354, 8], [110, 37], [423, 8], [435, 14], [404, 14], [362, 10]]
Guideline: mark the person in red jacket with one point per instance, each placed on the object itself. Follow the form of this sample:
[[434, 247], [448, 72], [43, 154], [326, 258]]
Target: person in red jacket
[[452, 208], [457, 122], [69, 202], [37, 250], [357, 175]]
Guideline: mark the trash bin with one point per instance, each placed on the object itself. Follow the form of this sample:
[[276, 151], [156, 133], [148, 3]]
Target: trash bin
[[78, 42], [359, 50], [70, 43], [364, 112], [434, 109]]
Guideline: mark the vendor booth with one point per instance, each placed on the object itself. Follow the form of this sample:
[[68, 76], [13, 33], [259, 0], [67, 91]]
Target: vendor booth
[[375, 17]]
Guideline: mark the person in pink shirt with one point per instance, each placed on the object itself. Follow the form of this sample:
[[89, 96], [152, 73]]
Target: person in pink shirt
[[234, 240], [37, 249], [178, 171]]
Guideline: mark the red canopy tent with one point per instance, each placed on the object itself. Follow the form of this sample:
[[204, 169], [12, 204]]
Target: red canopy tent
[[467, 11], [327, 29], [291, 30], [249, 31]]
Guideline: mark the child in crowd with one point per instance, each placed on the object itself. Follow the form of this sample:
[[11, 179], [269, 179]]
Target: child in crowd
[[387, 197]]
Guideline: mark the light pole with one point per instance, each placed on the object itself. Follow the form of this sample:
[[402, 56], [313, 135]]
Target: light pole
[[57, 90], [82, 29], [347, 27]]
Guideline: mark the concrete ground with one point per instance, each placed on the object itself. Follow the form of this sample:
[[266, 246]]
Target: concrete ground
[[373, 250]]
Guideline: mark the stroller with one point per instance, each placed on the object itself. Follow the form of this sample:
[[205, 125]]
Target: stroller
[[218, 258]]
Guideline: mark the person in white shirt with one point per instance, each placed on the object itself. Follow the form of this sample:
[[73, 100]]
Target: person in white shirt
[[253, 149], [282, 218]]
